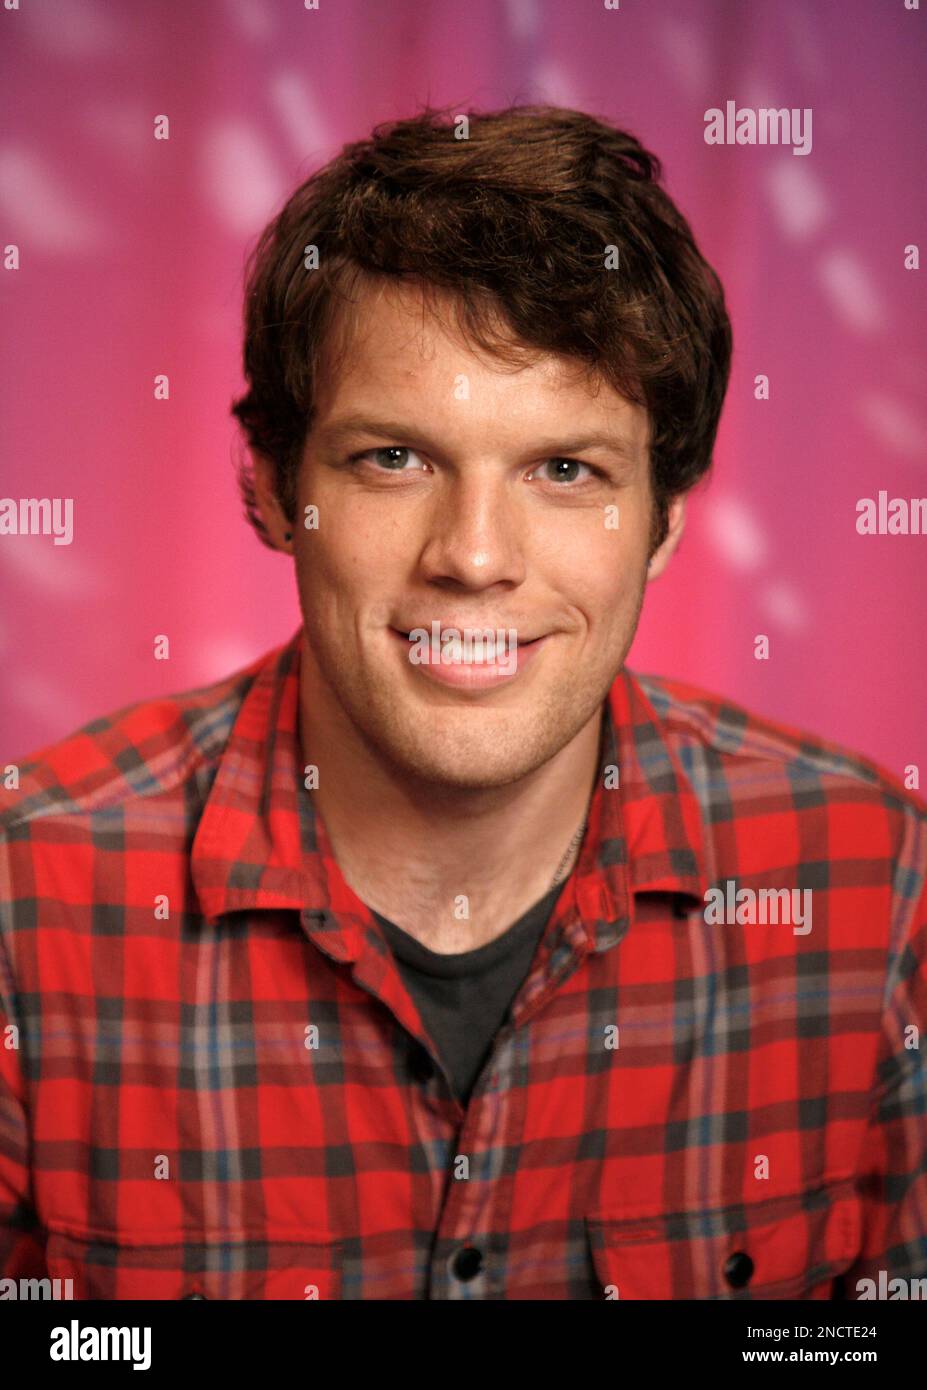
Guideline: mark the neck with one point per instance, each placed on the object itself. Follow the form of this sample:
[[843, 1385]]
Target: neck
[[414, 850]]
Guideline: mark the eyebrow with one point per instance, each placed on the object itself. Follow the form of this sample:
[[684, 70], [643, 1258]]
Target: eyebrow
[[550, 447]]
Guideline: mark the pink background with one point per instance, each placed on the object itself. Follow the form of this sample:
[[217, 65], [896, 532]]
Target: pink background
[[132, 255]]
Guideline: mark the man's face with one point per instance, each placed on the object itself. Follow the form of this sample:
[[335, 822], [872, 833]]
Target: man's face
[[454, 489]]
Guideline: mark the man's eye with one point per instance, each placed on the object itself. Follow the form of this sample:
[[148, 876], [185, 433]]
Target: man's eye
[[392, 458], [559, 470]]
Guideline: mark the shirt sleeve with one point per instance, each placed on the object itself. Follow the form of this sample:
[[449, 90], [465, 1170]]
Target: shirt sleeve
[[892, 1178], [22, 1243]]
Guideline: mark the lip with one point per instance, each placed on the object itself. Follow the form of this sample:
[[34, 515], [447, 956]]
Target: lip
[[463, 675]]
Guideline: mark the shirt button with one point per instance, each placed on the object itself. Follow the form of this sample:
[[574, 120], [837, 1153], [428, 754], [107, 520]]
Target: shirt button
[[467, 1263], [186, 1296], [421, 1067], [738, 1269]]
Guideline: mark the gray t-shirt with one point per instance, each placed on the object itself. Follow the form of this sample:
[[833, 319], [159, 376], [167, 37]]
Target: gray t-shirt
[[464, 998]]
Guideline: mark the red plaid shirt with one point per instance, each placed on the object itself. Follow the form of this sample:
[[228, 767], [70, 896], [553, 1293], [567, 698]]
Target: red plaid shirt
[[214, 1083]]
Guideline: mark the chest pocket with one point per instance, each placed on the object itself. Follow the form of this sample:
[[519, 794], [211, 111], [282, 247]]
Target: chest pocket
[[300, 1265], [786, 1247]]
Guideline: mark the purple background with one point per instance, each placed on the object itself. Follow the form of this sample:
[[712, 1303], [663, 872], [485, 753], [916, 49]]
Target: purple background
[[132, 256]]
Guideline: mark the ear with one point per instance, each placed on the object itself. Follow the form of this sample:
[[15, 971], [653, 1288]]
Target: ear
[[272, 514], [664, 553]]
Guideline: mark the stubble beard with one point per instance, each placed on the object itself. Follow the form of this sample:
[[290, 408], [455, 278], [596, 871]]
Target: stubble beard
[[446, 744]]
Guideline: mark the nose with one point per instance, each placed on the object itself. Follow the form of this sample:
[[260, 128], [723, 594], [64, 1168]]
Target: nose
[[475, 533]]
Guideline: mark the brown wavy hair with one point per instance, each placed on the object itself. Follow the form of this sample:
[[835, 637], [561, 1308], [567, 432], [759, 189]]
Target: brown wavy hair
[[515, 221]]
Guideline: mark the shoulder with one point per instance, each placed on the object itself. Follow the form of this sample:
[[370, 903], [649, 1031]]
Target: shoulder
[[748, 766], [90, 823], [146, 750]]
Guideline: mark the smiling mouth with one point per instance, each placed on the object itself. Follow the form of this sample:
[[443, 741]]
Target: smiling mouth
[[528, 642], [473, 661]]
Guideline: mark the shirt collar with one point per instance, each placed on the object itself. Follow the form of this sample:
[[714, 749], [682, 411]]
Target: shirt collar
[[260, 845]]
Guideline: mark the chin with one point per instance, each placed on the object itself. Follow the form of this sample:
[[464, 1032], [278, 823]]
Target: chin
[[473, 775], [467, 759]]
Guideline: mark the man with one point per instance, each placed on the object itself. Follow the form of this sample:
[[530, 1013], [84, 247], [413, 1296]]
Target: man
[[436, 955]]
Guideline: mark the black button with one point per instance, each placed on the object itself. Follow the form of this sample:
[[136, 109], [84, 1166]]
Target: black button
[[421, 1066], [467, 1263], [738, 1269], [187, 1296]]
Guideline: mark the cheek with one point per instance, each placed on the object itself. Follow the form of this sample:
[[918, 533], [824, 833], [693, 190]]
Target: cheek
[[355, 534], [345, 575], [603, 579]]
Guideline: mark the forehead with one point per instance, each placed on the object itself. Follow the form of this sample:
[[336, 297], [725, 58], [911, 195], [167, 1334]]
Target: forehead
[[393, 340]]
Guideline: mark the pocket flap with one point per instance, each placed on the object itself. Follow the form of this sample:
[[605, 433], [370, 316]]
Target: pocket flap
[[116, 1266], [785, 1247]]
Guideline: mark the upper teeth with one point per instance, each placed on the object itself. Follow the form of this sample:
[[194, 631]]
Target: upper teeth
[[455, 650]]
